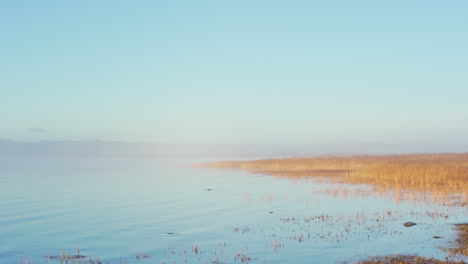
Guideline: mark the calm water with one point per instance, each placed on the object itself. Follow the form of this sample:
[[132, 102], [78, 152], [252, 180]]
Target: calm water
[[117, 208]]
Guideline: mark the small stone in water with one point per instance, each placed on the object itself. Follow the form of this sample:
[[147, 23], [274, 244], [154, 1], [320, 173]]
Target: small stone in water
[[409, 224]]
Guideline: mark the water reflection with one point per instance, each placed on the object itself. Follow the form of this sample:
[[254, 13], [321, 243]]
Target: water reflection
[[153, 211]]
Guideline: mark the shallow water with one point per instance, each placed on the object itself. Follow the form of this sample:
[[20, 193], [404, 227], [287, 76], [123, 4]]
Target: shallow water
[[121, 208]]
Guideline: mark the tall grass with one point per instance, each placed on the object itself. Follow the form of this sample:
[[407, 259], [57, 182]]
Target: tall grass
[[441, 173]]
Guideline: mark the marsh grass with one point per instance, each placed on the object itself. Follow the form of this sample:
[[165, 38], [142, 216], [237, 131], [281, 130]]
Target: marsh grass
[[407, 259], [460, 248], [440, 174], [461, 242]]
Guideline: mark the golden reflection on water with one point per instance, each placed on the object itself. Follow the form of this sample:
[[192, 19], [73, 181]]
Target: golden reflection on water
[[429, 178]]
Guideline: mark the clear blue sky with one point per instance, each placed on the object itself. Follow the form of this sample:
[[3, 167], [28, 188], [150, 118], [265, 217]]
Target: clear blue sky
[[235, 71]]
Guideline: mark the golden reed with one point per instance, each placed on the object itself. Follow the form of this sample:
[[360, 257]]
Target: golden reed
[[437, 173]]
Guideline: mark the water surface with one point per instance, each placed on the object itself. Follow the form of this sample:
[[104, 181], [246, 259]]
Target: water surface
[[121, 208]]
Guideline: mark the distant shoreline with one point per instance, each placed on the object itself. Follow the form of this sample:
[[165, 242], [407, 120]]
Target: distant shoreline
[[102, 148]]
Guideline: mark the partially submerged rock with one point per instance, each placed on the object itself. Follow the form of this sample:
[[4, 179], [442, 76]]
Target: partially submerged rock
[[409, 224]]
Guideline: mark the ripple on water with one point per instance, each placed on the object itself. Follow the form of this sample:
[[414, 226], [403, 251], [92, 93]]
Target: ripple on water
[[114, 207]]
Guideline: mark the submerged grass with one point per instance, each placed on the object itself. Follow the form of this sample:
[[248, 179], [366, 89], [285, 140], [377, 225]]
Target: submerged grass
[[437, 173]]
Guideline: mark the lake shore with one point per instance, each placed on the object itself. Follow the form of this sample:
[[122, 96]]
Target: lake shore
[[443, 176]]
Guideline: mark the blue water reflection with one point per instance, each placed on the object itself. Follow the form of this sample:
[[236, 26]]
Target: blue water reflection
[[121, 208]]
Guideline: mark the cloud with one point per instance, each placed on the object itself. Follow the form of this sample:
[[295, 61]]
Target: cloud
[[38, 130]]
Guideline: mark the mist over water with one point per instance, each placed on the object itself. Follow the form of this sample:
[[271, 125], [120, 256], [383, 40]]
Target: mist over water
[[121, 207], [99, 148]]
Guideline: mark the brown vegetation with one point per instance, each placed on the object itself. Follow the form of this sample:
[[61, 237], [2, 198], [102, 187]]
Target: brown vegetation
[[461, 243], [460, 248], [437, 173], [407, 259]]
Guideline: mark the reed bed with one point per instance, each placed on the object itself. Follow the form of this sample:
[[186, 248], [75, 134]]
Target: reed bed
[[440, 174]]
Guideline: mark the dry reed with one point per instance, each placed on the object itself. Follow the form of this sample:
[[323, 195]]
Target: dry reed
[[437, 173]]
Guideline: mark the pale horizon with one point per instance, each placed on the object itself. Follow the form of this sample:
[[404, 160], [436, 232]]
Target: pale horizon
[[100, 148]]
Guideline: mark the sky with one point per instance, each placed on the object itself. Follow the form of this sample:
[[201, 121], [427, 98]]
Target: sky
[[285, 72]]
